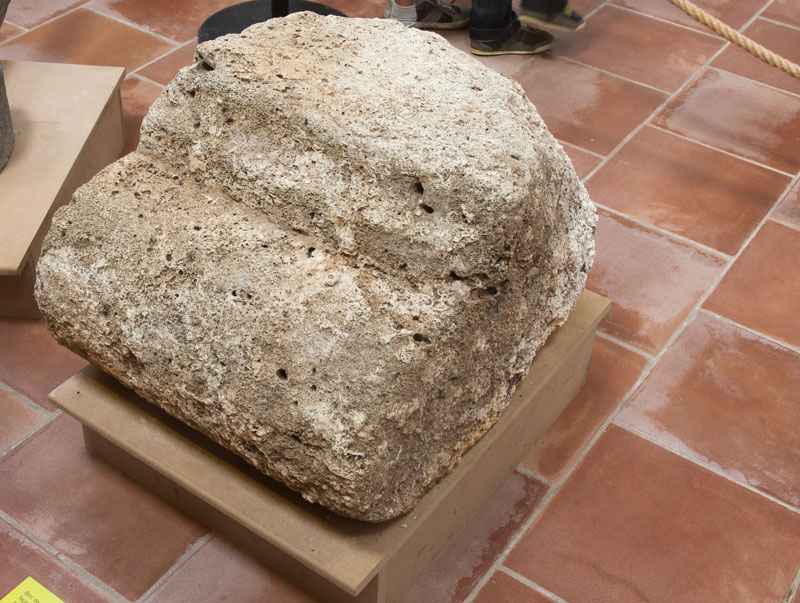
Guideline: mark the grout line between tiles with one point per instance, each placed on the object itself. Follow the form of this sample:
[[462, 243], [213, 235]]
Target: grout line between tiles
[[28, 534], [49, 418], [529, 583], [781, 23], [144, 78], [515, 538], [623, 344], [92, 579], [688, 82], [15, 25], [757, 14], [533, 475], [760, 83], [751, 330], [556, 488], [74, 9], [135, 26], [533, 58], [553, 492], [25, 399], [169, 52], [703, 31], [793, 589], [784, 223], [717, 149], [707, 466], [187, 554], [598, 7], [614, 75], [14, 37], [564, 143], [680, 238]]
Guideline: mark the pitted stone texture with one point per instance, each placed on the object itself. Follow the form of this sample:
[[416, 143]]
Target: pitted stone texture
[[336, 251]]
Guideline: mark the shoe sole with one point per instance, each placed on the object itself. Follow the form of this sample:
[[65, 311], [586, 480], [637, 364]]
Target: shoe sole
[[534, 22], [490, 53]]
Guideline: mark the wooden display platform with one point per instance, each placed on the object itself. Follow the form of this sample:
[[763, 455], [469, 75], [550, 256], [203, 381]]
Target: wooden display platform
[[68, 125], [338, 560]]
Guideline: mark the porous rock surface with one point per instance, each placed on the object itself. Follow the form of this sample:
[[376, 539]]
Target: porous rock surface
[[335, 251]]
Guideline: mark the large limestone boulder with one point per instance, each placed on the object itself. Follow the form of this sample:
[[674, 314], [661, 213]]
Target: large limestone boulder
[[336, 250]]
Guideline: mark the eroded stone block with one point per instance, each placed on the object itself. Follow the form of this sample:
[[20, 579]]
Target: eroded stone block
[[336, 251]]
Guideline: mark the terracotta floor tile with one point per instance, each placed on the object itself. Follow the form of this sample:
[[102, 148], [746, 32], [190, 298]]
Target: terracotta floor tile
[[733, 12], [360, 8], [178, 20], [582, 161], [31, 362], [86, 38], [23, 558], [612, 372], [687, 189], [784, 11], [502, 587], [637, 523], [784, 41], [734, 406], [507, 64], [738, 115], [8, 31], [473, 552], [789, 209], [90, 511], [761, 292], [19, 419], [137, 96], [29, 13], [650, 299], [638, 47], [163, 70], [219, 571], [585, 107]]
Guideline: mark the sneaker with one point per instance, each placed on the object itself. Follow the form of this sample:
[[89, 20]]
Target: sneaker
[[523, 40], [563, 20], [428, 14]]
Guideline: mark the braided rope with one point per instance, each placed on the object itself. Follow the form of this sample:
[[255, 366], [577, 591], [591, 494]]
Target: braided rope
[[766, 55]]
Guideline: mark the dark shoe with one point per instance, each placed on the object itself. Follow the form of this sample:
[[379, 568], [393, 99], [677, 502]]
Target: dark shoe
[[428, 14], [523, 40], [563, 20]]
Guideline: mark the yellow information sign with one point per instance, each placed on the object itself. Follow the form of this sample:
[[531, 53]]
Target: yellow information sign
[[30, 591]]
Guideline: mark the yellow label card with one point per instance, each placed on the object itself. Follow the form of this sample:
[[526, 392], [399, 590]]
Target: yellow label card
[[30, 591]]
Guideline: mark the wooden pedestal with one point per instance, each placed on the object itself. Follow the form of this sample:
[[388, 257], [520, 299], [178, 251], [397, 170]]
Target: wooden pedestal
[[338, 560], [68, 125]]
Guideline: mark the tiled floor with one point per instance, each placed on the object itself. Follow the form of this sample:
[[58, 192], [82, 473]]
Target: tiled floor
[[673, 477]]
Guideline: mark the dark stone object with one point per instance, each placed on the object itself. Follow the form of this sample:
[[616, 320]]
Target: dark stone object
[[6, 129], [235, 19]]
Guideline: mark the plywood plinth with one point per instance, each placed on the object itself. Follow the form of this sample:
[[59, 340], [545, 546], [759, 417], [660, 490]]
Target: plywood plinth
[[339, 560]]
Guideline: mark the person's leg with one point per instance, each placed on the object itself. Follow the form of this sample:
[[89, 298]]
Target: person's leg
[[545, 6], [494, 29], [489, 15]]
